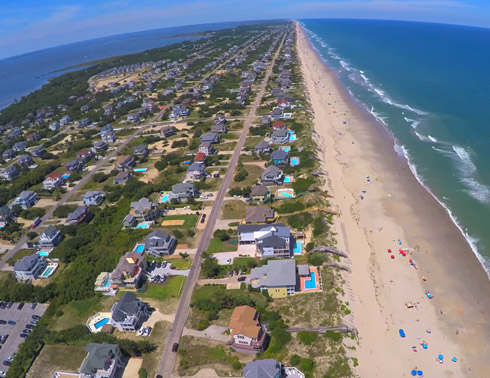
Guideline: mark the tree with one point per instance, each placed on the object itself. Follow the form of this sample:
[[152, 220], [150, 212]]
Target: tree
[[184, 255], [241, 175], [31, 235], [210, 268], [178, 234]]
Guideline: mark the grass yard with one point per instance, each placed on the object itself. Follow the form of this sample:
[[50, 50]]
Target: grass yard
[[189, 220], [254, 173], [20, 254], [57, 358], [181, 264], [77, 312], [216, 245], [171, 289], [234, 209], [158, 336]]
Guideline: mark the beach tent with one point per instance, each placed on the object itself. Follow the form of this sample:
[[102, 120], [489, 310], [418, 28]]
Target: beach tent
[[414, 373], [401, 332]]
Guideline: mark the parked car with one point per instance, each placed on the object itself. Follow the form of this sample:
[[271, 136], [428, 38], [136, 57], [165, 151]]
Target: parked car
[[9, 304], [11, 322], [36, 317], [20, 306], [4, 338], [30, 326], [2, 374], [164, 264], [27, 331], [241, 279], [7, 363], [24, 336], [3, 322], [175, 347], [2, 305], [33, 306], [230, 273]]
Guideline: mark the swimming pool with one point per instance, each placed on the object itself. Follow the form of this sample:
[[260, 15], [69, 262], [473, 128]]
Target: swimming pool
[[292, 137], [298, 247], [66, 175], [142, 225], [101, 322], [141, 169], [106, 284], [286, 149], [285, 194], [140, 248], [165, 198], [287, 179], [311, 283], [294, 161], [47, 272], [43, 253]]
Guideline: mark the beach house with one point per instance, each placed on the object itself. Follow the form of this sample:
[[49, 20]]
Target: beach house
[[19, 146], [144, 210], [53, 126], [129, 312], [99, 146], [121, 178], [37, 151], [78, 216], [246, 332], [25, 160], [26, 199], [277, 125], [182, 192], [109, 137], [207, 148], [102, 361], [93, 198], [85, 155], [141, 150], [9, 154], [129, 270], [280, 158], [260, 194], [259, 214], [272, 175], [160, 243], [278, 277], [53, 180], [50, 237], [125, 163], [195, 171], [179, 111], [29, 267], [74, 166], [262, 147], [6, 216], [212, 138], [277, 114], [167, 131], [11, 172], [280, 136], [270, 368], [271, 240]]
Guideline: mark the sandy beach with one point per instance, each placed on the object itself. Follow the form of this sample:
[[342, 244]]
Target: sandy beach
[[382, 207]]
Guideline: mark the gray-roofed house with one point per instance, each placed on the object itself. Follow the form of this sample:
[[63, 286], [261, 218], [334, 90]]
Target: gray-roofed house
[[25, 160], [78, 216], [100, 145], [5, 216], [121, 178], [265, 120], [109, 137], [182, 192], [74, 166], [141, 150], [50, 237], [270, 368], [160, 243], [130, 221], [93, 198], [277, 114], [272, 176], [278, 277], [37, 151], [259, 214], [219, 128], [144, 210], [129, 270], [9, 154], [271, 240], [260, 194], [195, 171], [212, 138], [262, 147], [280, 158], [206, 148], [280, 136], [29, 267], [19, 146], [26, 199], [11, 172], [129, 312], [167, 131], [102, 361], [125, 163]]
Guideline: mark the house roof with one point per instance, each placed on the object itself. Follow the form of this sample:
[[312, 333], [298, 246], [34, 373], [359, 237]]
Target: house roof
[[140, 148], [26, 194], [205, 144], [271, 169], [98, 355], [182, 187], [200, 156], [158, 238], [262, 145], [257, 214], [268, 368], [279, 155], [303, 270], [122, 176], [50, 232], [54, 175], [275, 273], [128, 264], [245, 321], [259, 190], [142, 205], [27, 263], [278, 124], [123, 159], [79, 211], [92, 193], [280, 133]]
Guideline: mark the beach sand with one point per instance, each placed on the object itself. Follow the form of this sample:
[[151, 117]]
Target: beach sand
[[395, 207]]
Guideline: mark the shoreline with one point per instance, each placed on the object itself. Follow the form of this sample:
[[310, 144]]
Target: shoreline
[[396, 206]]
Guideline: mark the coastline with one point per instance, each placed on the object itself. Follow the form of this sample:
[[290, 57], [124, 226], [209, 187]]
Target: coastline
[[395, 207]]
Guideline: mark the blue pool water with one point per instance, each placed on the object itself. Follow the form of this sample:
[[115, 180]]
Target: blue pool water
[[287, 179], [294, 161], [141, 169], [107, 283], [298, 247], [286, 149], [140, 248], [100, 323], [311, 283], [292, 137], [43, 253], [165, 198], [65, 176], [142, 225], [47, 272], [285, 194]]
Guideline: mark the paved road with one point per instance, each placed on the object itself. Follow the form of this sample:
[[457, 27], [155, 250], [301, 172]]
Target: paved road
[[168, 359]]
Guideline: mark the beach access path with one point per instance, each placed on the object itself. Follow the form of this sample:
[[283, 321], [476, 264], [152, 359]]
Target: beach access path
[[168, 359], [395, 212]]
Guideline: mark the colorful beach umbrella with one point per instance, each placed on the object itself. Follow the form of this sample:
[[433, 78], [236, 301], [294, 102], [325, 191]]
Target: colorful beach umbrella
[[414, 373], [440, 356]]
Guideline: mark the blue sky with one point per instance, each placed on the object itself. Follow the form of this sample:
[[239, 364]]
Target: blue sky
[[28, 25]]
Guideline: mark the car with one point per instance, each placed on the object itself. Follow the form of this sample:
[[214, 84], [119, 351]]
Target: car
[[216, 175], [164, 264], [20, 306], [36, 317], [2, 305], [2, 374], [9, 304], [27, 331], [3, 322], [33, 305], [7, 363], [4, 338], [158, 376], [24, 336], [159, 264], [203, 219], [241, 279], [162, 279], [11, 322], [34, 321], [30, 326], [175, 347], [230, 273], [228, 261]]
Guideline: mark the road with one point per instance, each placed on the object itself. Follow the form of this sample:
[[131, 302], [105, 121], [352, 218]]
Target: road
[[86, 178], [168, 359]]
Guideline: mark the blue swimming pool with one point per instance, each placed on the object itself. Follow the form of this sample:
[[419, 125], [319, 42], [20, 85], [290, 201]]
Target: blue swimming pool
[[48, 271], [107, 284], [66, 175], [292, 137], [286, 149], [142, 225], [287, 179], [298, 247], [294, 161], [100, 323], [165, 198], [140, 248], [141, 169], [43, 253], [285, 194], [311, 283]]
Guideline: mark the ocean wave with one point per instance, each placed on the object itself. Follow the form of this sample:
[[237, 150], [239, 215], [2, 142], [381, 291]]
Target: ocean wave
[[465, 159], [377, 116], [423, 138], [432, 139], [413, 122], [345, 65]]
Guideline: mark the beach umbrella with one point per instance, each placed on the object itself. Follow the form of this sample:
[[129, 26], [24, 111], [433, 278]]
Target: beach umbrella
[[401, 332], [454, 359], [414, 373], [440, 356], [389, 250], [392, 256], [420, 373]]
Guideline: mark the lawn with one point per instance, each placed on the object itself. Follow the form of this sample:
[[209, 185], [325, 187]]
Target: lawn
[[216, 245], [20, 254], [254, 173], [77, 312], [57, 358], [171, 289], [234, 209], [181, 264], [189, 220], [158, 336]]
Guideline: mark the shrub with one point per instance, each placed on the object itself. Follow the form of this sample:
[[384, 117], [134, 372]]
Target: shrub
[[142, 373], [295, 360], [241, 175], [307, 338]]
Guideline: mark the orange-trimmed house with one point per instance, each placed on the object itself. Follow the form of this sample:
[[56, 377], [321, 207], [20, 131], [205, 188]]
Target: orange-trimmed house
[[246, 332]]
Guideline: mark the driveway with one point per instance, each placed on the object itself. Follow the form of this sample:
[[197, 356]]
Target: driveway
[[169, 272], [247, 249], [213, 332], [223, 281], [222, 257]]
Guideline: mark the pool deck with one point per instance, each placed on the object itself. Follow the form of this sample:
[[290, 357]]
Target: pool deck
[[94, 319], [303, 281]]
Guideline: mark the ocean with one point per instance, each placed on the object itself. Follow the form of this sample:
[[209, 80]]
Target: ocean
[[25, 73], [429, 85]]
